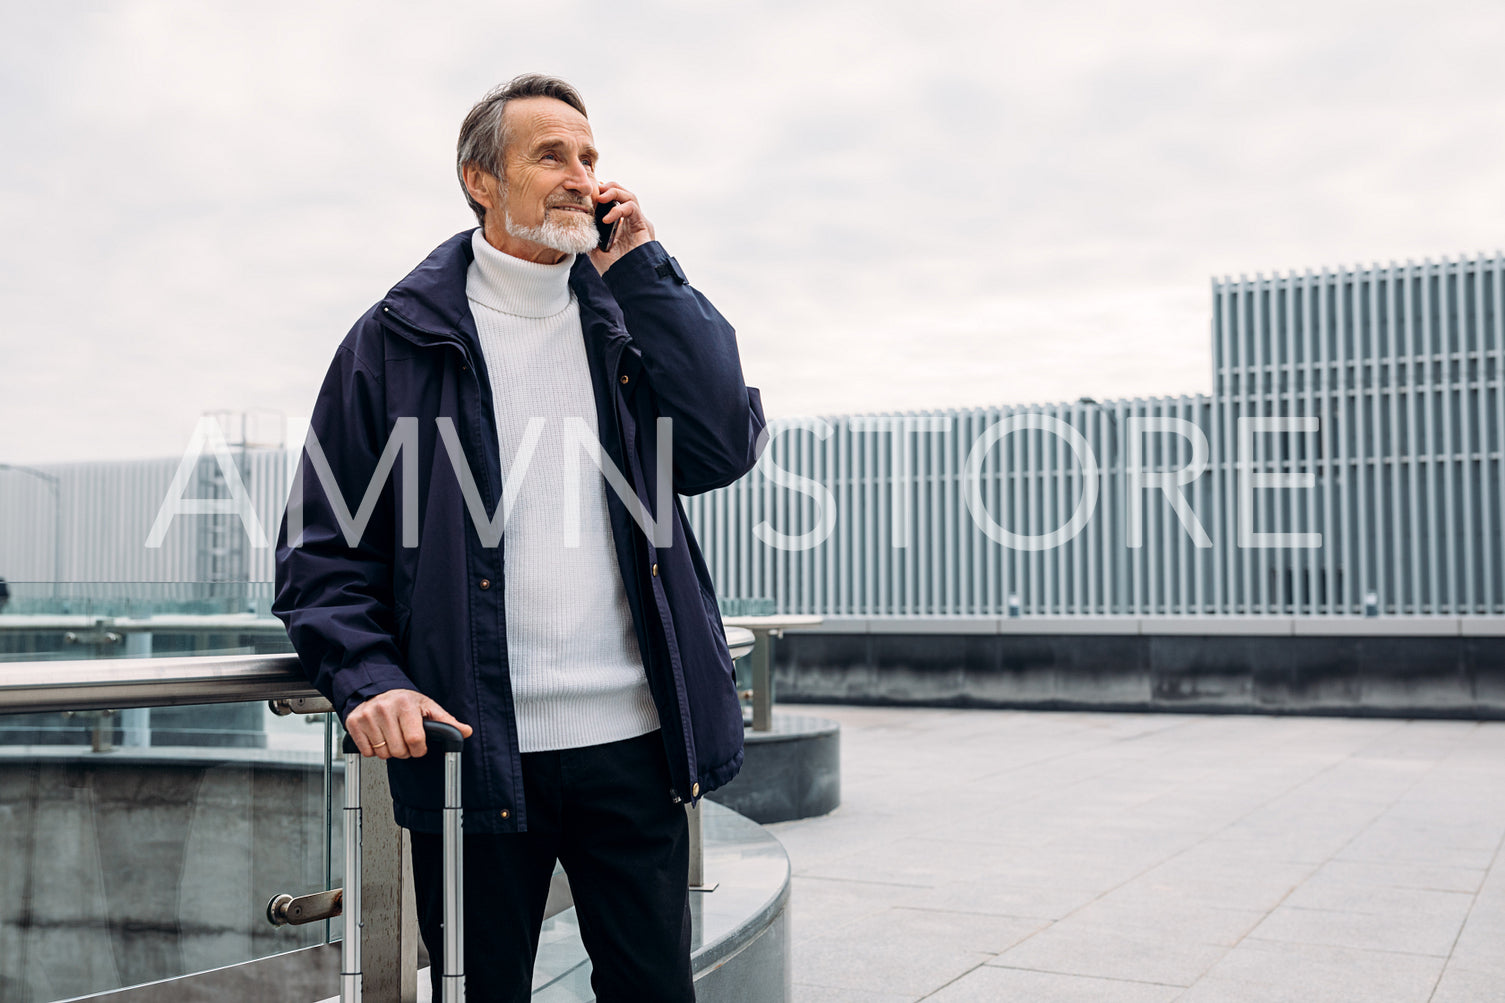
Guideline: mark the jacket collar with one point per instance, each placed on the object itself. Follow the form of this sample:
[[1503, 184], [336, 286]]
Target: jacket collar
[[430, 307]]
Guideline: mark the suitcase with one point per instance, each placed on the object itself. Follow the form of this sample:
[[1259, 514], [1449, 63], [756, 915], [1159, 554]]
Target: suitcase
[[441, 736]]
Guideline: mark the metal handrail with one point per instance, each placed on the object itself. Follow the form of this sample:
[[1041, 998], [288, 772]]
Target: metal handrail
[[119, 683]]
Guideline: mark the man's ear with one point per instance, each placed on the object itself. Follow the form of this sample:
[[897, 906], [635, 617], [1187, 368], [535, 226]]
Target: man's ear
[[482, 186]]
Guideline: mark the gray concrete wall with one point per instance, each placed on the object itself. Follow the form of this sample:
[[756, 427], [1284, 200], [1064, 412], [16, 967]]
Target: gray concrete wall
[[1392, 676], [127, 867], [235, 725]]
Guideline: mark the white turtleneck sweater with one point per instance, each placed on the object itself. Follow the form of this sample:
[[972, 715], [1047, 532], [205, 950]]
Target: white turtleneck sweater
[[577, 672]]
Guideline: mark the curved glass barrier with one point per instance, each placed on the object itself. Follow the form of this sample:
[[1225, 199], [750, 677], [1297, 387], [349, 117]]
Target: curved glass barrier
[[144, 843]]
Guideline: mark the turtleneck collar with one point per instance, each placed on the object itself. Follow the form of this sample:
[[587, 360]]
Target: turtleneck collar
[[514, 286]]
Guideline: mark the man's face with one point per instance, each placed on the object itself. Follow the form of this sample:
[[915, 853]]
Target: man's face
[[548, 192]]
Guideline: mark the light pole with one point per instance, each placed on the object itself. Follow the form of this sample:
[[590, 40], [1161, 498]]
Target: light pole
[[57, 519]]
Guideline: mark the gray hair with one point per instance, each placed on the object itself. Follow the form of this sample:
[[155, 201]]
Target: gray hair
[[483, 135]]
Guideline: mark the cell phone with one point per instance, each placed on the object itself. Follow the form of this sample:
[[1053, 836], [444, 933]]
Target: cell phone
[[605, 230]]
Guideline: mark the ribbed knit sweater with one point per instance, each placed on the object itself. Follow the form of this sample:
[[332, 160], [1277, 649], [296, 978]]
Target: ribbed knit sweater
[[577, 672]]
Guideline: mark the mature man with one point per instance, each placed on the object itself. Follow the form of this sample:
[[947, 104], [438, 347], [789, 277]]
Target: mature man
[[525, 568]]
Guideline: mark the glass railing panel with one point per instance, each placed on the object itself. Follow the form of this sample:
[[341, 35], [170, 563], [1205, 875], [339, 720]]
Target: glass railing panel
[[140, 845], [136, 599], [85, 620]]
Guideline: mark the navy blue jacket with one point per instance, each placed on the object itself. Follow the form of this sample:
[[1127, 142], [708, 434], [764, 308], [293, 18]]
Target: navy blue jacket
[[378, 615]]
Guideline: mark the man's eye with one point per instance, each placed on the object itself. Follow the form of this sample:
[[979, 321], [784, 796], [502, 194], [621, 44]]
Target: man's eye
[[550, 156]]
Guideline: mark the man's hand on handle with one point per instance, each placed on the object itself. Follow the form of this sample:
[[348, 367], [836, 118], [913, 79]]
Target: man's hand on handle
[[390, 724]]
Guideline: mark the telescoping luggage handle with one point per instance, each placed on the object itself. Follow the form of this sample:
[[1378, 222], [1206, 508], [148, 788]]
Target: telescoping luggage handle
[[447, 737]]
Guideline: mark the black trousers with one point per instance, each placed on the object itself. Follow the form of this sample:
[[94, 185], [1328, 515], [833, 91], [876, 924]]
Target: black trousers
[[603, 811]]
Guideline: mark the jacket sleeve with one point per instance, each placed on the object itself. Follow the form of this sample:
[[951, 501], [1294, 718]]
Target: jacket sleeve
[[690, 354], [336, 598]]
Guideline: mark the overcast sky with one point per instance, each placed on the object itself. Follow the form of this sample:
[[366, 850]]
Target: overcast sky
[[899, 206]]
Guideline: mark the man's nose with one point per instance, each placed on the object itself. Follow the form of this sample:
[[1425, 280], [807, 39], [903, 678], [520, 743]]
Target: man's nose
[[579, 179]]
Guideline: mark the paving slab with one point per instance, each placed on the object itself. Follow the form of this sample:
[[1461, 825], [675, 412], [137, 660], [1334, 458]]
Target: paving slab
[[1007, 855], [1409, 933], [806, 993], [1074, 946], [992, 985], [1463, 985], [819, 906], [1261, 971]]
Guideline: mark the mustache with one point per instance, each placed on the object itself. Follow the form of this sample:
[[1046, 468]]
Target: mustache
[[576, 203]]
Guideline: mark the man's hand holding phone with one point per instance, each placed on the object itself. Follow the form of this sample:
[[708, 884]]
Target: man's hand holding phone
[[623, 220]]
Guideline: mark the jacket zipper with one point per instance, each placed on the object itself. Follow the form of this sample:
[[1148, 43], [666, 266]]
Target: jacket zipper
[[467, 365], [403, 322], [681, 700]]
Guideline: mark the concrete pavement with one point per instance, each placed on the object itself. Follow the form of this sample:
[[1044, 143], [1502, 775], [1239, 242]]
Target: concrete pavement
[[984, 855]]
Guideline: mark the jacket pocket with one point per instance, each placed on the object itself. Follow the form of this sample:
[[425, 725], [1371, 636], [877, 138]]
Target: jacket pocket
[[718, 631], [712, 610]]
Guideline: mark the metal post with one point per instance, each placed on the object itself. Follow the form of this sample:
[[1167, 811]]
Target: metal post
[[762, 680], [135, 722], [350, 947], [697, 850], [378, 899], [697, 857], [390, 967], [329, 751], [454, 883], [104, 731]]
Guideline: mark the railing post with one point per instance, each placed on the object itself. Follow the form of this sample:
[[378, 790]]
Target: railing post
[[762, 679], [135, 722], [697, 851], [104, 731], [389, 949], [351, 940]]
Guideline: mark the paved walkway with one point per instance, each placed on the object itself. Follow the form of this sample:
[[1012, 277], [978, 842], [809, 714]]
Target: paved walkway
[[1118, 858]]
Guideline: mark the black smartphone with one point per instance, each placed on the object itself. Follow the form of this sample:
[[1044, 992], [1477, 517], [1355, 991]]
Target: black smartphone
[[604, 230]]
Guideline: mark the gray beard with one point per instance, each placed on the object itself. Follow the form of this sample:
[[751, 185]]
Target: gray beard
[[556, 234]]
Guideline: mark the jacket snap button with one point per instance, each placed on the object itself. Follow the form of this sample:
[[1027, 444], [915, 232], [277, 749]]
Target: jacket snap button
[[485, 583], [695, 790], [505, 813], [624, 377], [655, 570]]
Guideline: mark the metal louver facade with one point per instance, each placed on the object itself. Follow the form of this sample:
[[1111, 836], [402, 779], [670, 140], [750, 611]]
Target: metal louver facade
[[1398, 368]]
